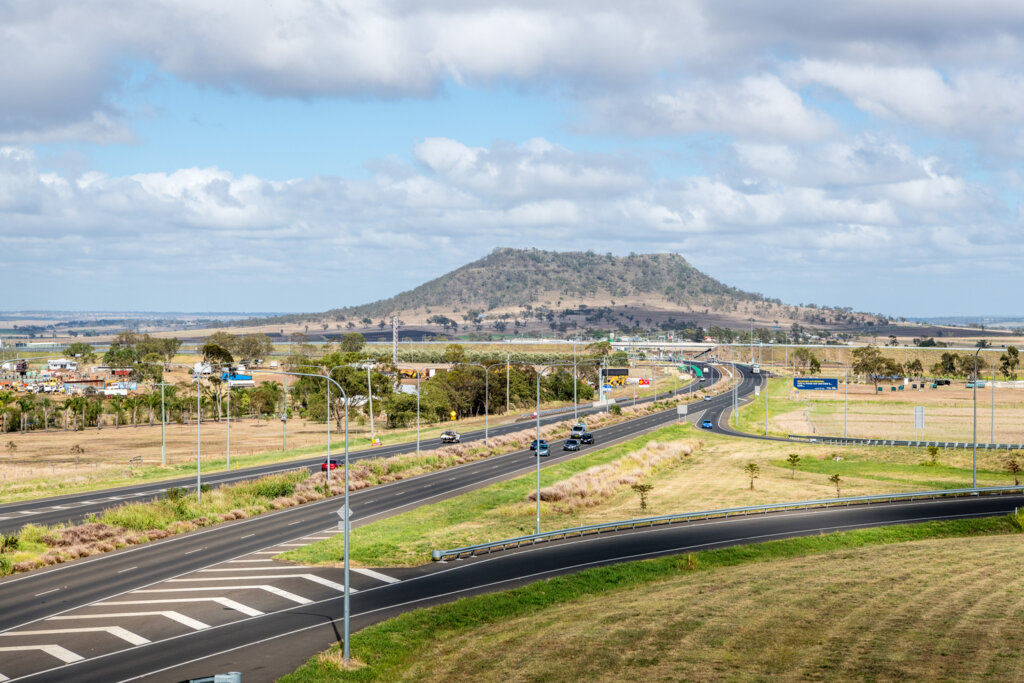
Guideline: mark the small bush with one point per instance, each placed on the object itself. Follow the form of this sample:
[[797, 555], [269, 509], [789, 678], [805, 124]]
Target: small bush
[[615, 410]]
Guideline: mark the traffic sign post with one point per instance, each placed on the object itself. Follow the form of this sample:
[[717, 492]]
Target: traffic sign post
[[345, 512]]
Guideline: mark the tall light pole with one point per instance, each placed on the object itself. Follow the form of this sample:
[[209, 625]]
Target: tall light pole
[[163, 426], [974, 389], [199, 422], [229, 423], [347, 517], [369, 392]]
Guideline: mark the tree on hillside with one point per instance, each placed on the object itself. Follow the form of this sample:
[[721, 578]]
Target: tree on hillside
[[835, 480], [914, 368], [601, 348], [869, 361], [1014, 467], [805, 359], [753, 470], [454, 353], [352, 342], [81, 350], [215, 353], [1008, 363], [252, 347], [793, 461]]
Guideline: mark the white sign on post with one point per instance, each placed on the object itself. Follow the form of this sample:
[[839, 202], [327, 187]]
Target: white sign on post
[[757, 390], [344, 512], [681, 410], [918, 417]]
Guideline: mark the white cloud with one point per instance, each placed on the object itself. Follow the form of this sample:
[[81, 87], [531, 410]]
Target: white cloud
[[179, 234], [755, 107]]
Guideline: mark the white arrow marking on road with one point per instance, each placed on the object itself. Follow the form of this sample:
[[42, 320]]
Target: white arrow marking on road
[[227, 602], [174, 616], [375, 575], [270, 589], [123, 634], [309, 577], [3, 678], [64, 655]]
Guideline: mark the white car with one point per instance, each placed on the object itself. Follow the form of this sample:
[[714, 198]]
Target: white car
[[451, 436]]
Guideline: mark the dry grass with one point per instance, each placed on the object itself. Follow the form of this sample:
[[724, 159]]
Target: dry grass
[[924, 611], [595, 485]]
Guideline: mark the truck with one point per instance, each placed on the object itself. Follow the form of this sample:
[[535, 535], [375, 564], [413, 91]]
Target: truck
[[756, 369]]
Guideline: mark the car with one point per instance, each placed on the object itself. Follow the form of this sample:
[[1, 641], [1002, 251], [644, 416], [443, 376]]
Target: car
[[451, 436], [586, 437], [571, 445], [533, 444], [544, 449], [707, 424], [707, 398], [578, 429], [330, 464]]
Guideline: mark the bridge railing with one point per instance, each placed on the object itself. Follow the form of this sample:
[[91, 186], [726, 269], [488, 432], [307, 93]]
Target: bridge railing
[[605, 527]]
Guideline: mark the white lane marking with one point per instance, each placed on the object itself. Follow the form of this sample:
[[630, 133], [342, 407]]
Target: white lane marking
[[293, 523], [248, 536], [122, 633], [260, 560], [270, 589], [291, 545], [227, 602], [58, 507], [44, 593], [173, 616], [253, 569], [267, 552], [64, 655], [195, 551], [116, 498], [122, 571], [29, 512], [375, 575], [3, 678], [309, 577], [1, 518]]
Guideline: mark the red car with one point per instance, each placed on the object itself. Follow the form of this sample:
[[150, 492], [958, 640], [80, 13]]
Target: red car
[[334, 464]]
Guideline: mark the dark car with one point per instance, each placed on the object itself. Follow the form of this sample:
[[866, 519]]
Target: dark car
[[330, 464], [586, 437], [571, 445], [544, 449], [707, 424], [533, 444]]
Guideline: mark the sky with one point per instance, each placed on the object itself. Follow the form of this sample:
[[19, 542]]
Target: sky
[[301, 155]]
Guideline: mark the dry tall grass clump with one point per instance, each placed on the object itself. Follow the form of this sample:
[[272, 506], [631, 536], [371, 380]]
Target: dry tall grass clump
[[597, 484]]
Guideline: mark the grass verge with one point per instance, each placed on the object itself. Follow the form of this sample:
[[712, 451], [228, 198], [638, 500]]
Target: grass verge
[[482, 636]]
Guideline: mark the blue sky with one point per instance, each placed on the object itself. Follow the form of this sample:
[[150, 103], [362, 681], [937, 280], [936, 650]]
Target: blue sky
[[309, 155]]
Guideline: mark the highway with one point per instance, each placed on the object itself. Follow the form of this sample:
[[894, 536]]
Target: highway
[[214, 600], [75, 508]]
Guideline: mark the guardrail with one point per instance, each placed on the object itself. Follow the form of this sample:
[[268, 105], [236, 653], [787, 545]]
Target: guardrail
[[848, 441], [560, 534]]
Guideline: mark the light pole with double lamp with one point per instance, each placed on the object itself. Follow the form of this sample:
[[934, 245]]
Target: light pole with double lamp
[[348, 513]]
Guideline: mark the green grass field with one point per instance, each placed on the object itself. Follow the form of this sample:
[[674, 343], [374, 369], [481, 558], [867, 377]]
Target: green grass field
[[923, 602]]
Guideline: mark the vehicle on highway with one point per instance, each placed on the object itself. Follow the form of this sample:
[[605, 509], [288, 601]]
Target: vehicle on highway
[[330, 464], [533, 444], [571, 445], [578, 429], [707, 398], [707, 424], [544, 449], [756, 369], [586, 437], [451, 436]]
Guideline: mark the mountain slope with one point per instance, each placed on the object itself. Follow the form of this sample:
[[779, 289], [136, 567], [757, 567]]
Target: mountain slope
[[512, 278]]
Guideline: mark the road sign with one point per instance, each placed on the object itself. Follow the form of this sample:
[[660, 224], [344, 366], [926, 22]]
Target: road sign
[[757, 390], [918, 417], [681, 410], [816, 383], [344, 511]]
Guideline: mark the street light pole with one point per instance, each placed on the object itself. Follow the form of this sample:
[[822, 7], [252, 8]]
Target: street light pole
[[369, 392], [974, 389], [347, 521], [229, 425], [163, 426], [199, 423]]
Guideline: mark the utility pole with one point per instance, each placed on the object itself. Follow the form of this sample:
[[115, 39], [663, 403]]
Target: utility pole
[[284, 419], [394, 340]]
